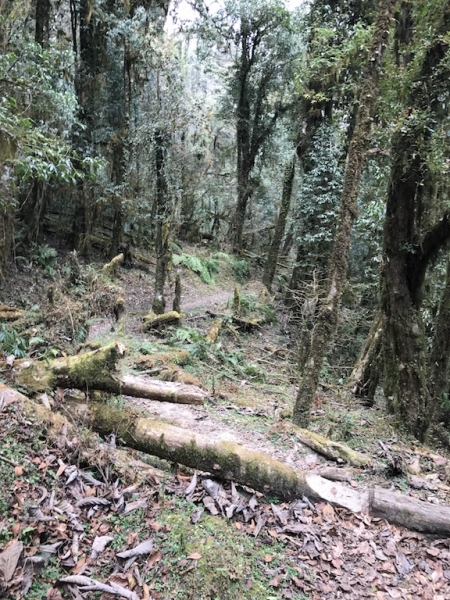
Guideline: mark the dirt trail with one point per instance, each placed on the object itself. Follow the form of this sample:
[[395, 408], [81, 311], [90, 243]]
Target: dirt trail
[[228, 419]]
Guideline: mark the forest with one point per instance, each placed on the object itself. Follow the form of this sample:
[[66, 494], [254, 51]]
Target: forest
[[224, 299]]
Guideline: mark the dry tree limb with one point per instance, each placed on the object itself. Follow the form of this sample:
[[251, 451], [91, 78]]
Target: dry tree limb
[[7, 313]]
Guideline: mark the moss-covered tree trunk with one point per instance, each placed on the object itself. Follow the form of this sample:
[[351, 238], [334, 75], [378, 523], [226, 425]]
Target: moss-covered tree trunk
[[328, 313], [411, 382], [162, 224], [280, 227], [8, 149], [367, 370]]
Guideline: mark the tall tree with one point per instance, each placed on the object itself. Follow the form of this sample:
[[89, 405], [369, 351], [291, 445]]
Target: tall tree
[[328, 313], [272, 255], [412, 242], [258, 39], [328, 81]]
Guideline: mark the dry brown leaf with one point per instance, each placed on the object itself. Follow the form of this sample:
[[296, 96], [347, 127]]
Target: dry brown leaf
[[54, 594], [146, 591], [195, 555], [328, 512], [18, 470], [61, 469], [154, 558], [268, 558], [9, 559], [275, 582]]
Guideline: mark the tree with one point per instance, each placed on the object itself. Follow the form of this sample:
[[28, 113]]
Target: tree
[[413, 376], [327, 317], [272, 256], [258, 39], [328, 82]]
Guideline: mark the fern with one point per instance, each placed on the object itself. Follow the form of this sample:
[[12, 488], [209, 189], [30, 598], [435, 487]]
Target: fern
[[205, 268], [12, 343]]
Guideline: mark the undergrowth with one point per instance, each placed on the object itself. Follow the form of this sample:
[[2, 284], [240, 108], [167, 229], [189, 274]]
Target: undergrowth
[[205, 268]]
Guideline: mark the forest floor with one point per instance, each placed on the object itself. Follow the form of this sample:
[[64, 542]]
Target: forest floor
[[269, 549]]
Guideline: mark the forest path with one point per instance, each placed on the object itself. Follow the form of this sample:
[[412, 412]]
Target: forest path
[[242, 409]]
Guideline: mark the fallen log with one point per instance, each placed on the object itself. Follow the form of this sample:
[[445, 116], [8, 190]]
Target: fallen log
[[324, 446], [213, 333], [101, 455], [228, 460], [154, 321], [410, 512], [164, 391], [111, 269], [96, 370], [8, 313]]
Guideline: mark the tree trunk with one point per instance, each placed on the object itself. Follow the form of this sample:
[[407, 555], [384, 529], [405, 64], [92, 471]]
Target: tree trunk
[[440, 352], [162, 225], [42, 28], [366, 372], [328, 314], [409, 377], [272, 256], [8, 149]]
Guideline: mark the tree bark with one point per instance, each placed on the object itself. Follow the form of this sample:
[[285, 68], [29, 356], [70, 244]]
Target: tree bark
[[328, 313], [42, 27], [440, 352], [366, 372], [272, 256]]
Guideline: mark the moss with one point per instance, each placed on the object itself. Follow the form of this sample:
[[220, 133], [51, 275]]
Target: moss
[[110, 269], [226, 459], [86, 369], [229, 560], [154, 321], [157, 359]]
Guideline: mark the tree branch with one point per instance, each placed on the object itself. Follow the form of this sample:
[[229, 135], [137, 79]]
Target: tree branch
[[434, 240]]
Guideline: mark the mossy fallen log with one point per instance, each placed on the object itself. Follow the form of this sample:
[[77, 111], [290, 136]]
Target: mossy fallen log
[[8, 313], [324, 446], [111, 269], [124, 462], [213, 333], [97, 370], [154, 321], [228, 460], [158, 359]]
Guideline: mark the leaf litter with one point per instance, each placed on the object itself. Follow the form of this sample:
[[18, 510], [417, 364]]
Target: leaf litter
[[70, 518]]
